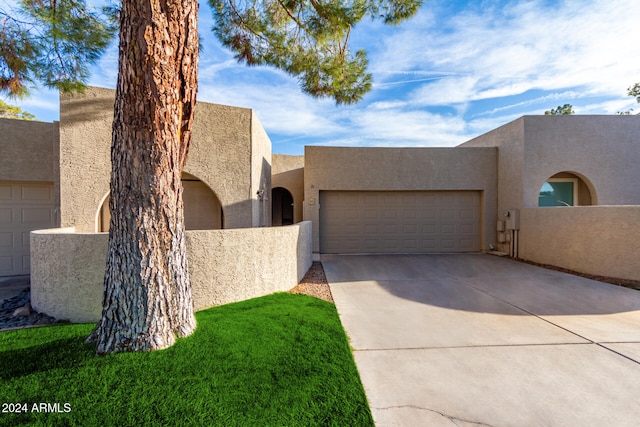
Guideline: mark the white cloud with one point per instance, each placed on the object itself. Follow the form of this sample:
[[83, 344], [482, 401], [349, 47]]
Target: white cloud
[[210, 69], [609, 107], [447, 91], [549, 98], [105, 72], [527, 46], [281, 108], [400, 127]]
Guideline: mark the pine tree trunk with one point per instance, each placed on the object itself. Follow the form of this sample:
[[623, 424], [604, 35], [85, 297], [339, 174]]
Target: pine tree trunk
[[147, 294]]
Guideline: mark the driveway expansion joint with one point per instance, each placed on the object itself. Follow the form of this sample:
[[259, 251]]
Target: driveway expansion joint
[[451, 418], [541, 317], [603, 345]]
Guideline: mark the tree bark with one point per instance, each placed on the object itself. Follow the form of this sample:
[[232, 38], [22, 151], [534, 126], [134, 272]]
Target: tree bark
[[147, 294]]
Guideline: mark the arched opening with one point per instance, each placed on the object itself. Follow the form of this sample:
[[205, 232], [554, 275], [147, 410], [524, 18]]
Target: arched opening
[[104, 215], [281, 207], [202, 209], [566, 189]]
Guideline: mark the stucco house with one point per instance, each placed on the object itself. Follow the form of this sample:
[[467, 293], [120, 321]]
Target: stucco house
[[559, 190], [57, 174]]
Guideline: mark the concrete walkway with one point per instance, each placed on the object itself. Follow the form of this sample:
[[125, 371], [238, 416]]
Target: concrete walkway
[[477, 340]]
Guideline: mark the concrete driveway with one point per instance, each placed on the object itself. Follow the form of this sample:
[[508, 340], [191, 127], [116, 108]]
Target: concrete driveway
[[477, 340]]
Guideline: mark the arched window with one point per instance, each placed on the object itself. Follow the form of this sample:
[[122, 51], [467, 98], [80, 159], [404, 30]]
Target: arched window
[[566, 189]]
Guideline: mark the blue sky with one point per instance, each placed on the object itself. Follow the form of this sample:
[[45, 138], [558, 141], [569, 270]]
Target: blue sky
[[456, 70]]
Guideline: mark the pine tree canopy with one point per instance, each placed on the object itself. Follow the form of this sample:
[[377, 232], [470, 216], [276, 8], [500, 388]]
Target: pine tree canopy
[[306, 38], [53, 42]]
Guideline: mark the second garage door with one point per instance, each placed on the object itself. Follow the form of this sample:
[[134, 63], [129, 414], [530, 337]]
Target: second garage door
[[399, 221], [24, 206]]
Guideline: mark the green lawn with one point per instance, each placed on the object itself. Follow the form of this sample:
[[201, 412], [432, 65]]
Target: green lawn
[[280, 360]]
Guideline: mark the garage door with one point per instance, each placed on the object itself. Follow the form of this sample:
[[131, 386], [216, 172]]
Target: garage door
[[23, 207], [399, 221]]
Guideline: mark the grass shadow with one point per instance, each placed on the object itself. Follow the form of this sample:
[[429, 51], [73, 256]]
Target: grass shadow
[[67, 353]]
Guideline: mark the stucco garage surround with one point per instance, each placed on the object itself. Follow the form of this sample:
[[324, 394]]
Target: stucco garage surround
[[363, 199]]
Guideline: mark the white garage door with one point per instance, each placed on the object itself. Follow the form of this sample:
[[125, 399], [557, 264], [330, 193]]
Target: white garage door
[[399, 221], [23, 207]]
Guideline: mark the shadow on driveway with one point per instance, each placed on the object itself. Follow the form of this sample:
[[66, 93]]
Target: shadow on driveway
[[444, 280]]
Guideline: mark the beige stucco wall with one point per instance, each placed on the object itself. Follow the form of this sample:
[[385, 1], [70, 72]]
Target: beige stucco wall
[[339, 168], [221, 155], [260, 174], [603, 149], [234, 265], [27, 150], [85, 159], [601, 240], [531, 149], [509, 139], [224, 265], [288, 172]]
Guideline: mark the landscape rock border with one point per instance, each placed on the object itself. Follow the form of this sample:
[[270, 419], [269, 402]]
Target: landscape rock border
[[626, 283], [16, 312], [314, 283]]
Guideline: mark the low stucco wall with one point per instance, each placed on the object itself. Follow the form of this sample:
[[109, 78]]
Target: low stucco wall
[[601, 240], [233, 265], [67, 268], [67, 271]]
